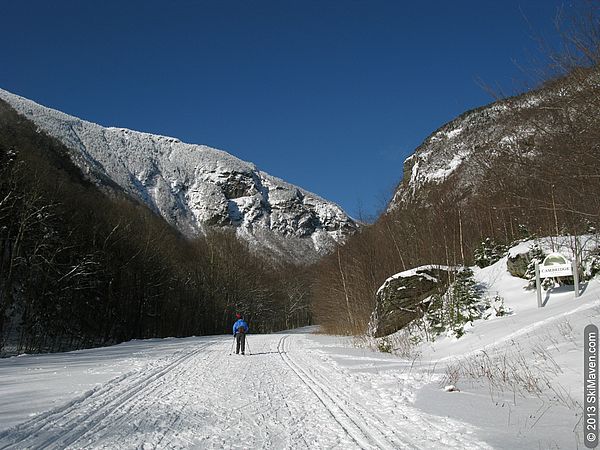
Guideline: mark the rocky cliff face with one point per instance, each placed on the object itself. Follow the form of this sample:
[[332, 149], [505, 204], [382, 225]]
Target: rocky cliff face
[[456, 157], [194, 186], [446, 156]]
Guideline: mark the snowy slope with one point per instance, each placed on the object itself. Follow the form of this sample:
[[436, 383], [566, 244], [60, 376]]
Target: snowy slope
[[299, 390], [454, 158], [194, 186], [518, 377]]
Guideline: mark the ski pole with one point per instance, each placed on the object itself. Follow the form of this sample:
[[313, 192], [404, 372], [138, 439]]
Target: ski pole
[[232, 345], [248, 345]]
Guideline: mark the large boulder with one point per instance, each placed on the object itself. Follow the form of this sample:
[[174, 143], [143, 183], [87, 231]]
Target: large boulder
[[517, 265], [403, 297], [518, 259]]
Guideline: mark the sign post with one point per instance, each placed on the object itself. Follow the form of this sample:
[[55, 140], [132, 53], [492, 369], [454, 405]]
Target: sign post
[[555, 265], [538, 284], [576, 277]]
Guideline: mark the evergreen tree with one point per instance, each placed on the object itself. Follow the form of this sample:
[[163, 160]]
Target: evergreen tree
[[536, 254], [460, 305], [488, 253], [465, 297]]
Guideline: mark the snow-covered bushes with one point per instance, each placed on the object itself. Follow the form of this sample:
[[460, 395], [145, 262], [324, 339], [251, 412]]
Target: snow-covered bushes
[[402, 343], [495, 307], [523, 369], [384, 345], [536, 255], [488, 253], [456, 310], [459, 305], [591, 265], [512, 371]]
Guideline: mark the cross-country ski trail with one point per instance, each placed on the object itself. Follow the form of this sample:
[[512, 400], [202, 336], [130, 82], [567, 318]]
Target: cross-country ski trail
[[286, 394]]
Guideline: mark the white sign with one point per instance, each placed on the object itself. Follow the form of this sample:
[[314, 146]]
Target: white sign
[[556, 270], [555, 265]]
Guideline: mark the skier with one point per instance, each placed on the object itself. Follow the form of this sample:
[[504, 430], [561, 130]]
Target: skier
[[240, 328]]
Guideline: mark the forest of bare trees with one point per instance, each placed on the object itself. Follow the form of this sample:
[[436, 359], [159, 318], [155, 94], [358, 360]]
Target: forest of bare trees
[[81, 267], [547, 183]]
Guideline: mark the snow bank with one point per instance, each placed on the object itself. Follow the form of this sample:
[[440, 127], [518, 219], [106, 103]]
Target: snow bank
[[318, 391], [420, 271]]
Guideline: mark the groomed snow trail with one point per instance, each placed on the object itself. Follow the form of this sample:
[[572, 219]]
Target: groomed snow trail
[[284, 395]]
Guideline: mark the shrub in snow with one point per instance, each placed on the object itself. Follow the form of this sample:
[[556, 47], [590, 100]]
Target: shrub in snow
[[384, 345], [488, 253], [403, 342], [524, 231], [495, 307], [591, 265], [536, 254], [459, 306], [435, 318], [465, 297]]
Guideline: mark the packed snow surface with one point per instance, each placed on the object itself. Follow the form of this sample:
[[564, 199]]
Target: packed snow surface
[[511, 382], [293, 390]]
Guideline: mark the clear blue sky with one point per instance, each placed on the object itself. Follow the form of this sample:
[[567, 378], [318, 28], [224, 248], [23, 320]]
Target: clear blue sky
[[329, 95]]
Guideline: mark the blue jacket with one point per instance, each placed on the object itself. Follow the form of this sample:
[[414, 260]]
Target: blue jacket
[[238, 324]]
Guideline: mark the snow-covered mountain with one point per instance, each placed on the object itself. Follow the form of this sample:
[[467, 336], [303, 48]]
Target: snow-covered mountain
[[455, 158], [194, 186]]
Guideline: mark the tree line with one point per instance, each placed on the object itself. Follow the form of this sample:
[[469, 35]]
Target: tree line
[[82, 265], [547, 183]]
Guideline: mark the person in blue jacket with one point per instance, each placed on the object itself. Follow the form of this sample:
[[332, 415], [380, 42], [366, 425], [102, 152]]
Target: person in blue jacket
[[240, 328]]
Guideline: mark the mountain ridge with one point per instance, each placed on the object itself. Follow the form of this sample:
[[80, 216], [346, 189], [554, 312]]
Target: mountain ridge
[[457, 155], [195, 186]]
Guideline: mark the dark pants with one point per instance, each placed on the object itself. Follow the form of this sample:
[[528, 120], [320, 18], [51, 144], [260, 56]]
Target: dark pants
[[240, 339]]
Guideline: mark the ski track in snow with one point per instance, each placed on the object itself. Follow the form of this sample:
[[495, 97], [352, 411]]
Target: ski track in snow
[[286, 395]]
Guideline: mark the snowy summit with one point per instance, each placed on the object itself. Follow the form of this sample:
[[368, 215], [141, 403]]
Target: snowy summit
[[194, 186]]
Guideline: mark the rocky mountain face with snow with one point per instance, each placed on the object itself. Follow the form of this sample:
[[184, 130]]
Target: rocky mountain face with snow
[[522, 166], [195, 187], [457, 157]]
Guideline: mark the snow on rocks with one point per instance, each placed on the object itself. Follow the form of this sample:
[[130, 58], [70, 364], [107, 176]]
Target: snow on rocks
[[399, 298], [450, 153], [451, 388], [193, 186]]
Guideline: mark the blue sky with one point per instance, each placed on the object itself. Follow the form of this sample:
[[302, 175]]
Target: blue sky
[[329, 95]]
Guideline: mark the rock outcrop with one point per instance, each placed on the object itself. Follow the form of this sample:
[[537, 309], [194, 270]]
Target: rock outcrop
[[517, 263], [195, 186], [402, 297], [454, 160]]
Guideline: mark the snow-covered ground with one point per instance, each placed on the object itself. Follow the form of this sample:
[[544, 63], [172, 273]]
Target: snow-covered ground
[[518, 385], [522, 375], [294, 391], [519, 378]]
